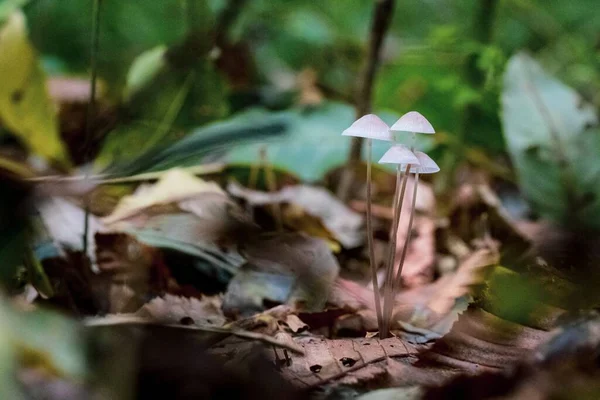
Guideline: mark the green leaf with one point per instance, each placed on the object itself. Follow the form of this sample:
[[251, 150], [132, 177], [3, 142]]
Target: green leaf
[[25, 108], [165, 108], [554, 142], [314, 144], [143, 69], [127, 28], [212, 140]]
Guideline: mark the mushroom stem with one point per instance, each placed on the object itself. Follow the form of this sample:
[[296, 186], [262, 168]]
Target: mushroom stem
[[398, 281], [370, 240], [389, 275]]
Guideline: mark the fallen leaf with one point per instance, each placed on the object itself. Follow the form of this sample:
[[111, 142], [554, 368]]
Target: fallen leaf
[[471, 272], [290, 268], [564, 367], [174, 187], [295, 324], [249, 291], [344, 224], [328, 360], [62, 223], [173, 310], [480, 341]]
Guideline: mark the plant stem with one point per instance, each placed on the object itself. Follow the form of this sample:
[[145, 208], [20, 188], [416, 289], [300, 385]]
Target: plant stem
[[271, 182], [398, 282], [401, 180], [379, 26], [370, 240], [91, 108], [380, 23]]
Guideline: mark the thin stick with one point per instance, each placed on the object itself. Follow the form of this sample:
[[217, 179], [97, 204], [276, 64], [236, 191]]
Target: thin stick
[[382, 16], [91, 107], [271, 182], [398, 280], [370, 241], [398, 202]]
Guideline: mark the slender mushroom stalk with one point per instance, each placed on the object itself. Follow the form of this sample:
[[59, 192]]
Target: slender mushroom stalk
[[411, 122], [427, 166], [371, 127], [405, 160]]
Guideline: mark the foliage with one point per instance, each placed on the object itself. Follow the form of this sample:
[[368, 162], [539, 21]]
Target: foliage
[[25, 108], [553, 139]]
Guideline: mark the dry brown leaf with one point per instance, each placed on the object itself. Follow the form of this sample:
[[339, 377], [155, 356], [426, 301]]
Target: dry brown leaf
[[174, 187], [308, 260], [295, 324], [327, 360], [564, 367], [405, 374], [471, 272], [317, 203], [418, 268], [425, 202], [350, 295], [480, 341], [171, 309]]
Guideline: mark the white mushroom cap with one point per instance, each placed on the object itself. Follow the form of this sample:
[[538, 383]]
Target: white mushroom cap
[[412, 122], [369, 126], [399, 154], [427, 165]]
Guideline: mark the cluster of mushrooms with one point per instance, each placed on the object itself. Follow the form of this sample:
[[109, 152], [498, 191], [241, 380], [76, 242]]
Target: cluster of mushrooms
[[408, 161]]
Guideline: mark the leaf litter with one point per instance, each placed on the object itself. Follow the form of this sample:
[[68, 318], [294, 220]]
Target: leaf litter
[[477, 300]]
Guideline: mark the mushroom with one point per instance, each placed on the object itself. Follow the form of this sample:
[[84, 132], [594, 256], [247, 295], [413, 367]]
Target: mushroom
[[427, 166], [371, 127], [411, 122], [406, 161]]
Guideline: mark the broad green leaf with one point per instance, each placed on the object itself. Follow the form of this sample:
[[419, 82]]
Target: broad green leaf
[[314, 144], [208, 141], [554, 142], [164, 103], [25, 108]]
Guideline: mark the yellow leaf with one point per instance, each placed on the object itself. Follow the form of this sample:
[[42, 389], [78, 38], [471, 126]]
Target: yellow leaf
[[25, 107]]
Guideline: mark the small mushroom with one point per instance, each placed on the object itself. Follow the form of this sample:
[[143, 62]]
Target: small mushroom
[[412, 122], [427, 166], [371, 127], [406, 161]]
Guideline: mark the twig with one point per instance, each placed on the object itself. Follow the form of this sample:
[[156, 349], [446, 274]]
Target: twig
[[379, 26], [128, 319], [104, 179], [91, 108]]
